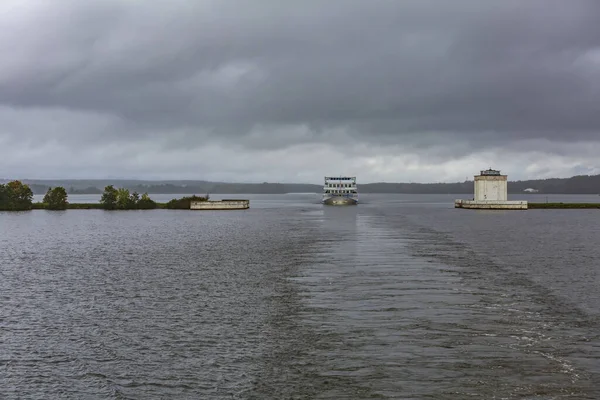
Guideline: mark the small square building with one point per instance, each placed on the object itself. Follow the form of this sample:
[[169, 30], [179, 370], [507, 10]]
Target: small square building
[[491, 185], [491, 193]]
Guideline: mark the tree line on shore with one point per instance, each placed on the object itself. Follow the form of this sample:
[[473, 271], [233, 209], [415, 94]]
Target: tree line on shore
[[581, 184], [17, 196], [120, 199]]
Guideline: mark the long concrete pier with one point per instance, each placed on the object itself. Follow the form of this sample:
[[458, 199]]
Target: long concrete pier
[[225, 204], [491, 204]]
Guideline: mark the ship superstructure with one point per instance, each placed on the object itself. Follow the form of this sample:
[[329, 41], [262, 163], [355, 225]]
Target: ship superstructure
[[340, 190]]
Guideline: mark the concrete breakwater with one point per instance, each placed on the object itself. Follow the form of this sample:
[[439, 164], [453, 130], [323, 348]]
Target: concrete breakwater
[[491, 204], [225, 204]]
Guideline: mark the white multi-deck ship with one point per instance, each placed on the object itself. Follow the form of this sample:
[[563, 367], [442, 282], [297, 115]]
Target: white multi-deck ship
[[340, 190]]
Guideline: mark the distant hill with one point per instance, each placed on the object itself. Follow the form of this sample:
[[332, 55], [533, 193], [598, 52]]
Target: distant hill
[[582, 184]]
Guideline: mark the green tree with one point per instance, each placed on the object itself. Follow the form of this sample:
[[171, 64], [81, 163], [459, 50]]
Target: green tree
[[124, 201], [109, 198], [56, 198], [146, 203], [15, 196]]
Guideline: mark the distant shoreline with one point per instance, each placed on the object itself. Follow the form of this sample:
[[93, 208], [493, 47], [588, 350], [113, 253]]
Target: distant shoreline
[[582, 184]]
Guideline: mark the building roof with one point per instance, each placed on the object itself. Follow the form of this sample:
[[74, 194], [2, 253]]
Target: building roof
[[490, 172]]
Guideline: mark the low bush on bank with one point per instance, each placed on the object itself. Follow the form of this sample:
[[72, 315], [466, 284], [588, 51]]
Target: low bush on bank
[[56, 199], [183, 203]]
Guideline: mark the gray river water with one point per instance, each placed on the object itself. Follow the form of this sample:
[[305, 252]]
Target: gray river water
[[400, 297]]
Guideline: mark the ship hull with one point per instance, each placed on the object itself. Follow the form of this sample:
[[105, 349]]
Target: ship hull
[[340, 201]]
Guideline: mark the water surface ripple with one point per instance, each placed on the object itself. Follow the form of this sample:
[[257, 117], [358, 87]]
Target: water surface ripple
[[394, 298]]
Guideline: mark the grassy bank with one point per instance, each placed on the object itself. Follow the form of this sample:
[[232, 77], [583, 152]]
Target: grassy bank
[[85, 206], [98, 206], [70, 206], [564, 205]]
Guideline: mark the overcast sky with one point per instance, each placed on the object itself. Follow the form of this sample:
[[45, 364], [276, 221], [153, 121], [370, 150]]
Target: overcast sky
[[272, 90]]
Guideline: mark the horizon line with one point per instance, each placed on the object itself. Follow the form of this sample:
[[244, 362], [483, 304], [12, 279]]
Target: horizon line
[[267, 182]]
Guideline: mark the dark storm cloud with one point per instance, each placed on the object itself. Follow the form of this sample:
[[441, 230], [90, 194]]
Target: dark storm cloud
[[271, 74], [517, 67]]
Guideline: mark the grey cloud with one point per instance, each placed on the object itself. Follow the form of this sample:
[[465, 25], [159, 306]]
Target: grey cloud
[[416, 74]]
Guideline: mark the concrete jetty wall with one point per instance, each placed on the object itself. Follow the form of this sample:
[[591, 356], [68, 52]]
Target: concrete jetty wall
[[224, 204], [491, 204], [491, 193]]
